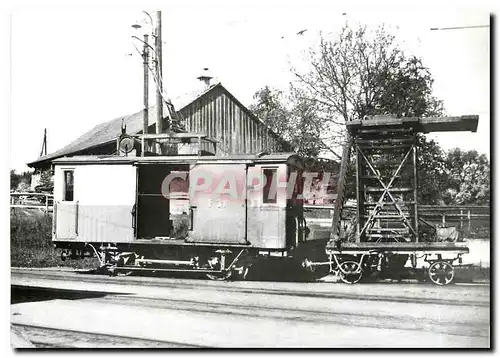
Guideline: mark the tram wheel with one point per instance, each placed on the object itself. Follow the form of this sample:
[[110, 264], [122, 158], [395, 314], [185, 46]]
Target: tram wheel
[[220, 276], [243, 272], [350, 272], [441, 273]]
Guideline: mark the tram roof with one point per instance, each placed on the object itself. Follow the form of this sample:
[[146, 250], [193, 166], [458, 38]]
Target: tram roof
[[184, 159]]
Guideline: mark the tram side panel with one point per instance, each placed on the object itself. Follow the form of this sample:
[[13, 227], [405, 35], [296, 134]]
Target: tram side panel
[[94, 203], [229, 204], [266, 206], [217, 204]]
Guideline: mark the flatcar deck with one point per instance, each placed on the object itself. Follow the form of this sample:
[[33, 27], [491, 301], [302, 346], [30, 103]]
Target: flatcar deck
[[399, 247]]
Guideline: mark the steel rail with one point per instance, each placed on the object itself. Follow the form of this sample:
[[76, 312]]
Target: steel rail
[[227, 286], [106, 335]]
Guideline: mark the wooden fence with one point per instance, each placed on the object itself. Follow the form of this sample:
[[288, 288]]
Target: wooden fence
[[43, 201], [472, 221]]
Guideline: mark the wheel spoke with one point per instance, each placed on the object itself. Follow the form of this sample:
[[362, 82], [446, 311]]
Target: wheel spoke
[[348, 272], [441, 273]]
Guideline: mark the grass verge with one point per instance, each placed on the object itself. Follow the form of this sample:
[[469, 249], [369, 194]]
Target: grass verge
[[31, 242]]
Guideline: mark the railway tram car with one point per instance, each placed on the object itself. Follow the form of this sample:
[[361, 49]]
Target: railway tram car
[[208, 214]]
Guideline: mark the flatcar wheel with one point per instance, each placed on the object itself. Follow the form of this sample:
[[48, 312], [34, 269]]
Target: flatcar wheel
[[441, 273], [350, 272], [125, 273], [220, 276]]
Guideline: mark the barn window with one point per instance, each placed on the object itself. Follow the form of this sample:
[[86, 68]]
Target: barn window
[[68, 185], [269, 192]]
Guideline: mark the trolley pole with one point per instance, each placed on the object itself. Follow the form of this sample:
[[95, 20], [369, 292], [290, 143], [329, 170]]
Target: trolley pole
[[159, 87], [145, 56]]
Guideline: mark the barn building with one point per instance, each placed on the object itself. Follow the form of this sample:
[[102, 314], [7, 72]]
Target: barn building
[[224, 124]]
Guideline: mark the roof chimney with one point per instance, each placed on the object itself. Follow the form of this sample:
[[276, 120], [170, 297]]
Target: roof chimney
[[205, 77]]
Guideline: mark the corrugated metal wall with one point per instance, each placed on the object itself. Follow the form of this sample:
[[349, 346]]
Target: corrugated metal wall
[[224, 120]]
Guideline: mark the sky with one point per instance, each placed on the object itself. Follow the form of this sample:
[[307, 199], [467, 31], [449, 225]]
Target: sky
[[70, 69]]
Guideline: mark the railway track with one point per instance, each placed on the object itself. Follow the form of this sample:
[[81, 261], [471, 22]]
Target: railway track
[[316, 316], [166, 312], [414, 293], [47, 337]]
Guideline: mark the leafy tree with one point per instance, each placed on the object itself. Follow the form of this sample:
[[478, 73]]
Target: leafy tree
[[270, 108], [303, 131], [17, 179], [408, 91], [432, 179], [363, 73], [358, 74], [468, 174], [14, 179], [293, 121]]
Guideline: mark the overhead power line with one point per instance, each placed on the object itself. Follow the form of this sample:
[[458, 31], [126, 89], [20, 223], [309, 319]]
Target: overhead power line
[[459, 27]]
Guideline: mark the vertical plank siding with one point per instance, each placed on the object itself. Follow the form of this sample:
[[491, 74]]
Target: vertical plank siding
[[218, 135], [224, 120], [254, 136]]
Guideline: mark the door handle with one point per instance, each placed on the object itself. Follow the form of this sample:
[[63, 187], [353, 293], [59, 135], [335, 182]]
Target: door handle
[[191, 214], [133, 216], [76, 218]]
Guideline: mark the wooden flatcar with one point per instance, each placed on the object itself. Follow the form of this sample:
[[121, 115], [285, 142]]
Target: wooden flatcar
[[388, 232]]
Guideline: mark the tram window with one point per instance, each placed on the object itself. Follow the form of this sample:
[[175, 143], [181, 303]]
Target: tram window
[[271, 182], [68, 185]]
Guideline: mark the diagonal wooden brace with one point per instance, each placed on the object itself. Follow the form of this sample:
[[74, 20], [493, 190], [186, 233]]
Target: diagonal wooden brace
[[385, 191]]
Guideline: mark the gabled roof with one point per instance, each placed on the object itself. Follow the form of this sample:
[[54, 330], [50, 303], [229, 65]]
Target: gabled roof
[[241, 105], [108, 132], [101, 134]]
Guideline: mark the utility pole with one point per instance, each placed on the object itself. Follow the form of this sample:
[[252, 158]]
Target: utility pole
[[159, 87], [44, 143], [145, 56]]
